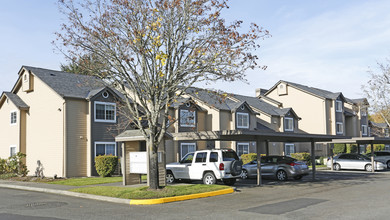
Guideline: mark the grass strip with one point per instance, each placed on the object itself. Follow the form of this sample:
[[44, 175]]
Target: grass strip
[[145, 193], [87, 181]]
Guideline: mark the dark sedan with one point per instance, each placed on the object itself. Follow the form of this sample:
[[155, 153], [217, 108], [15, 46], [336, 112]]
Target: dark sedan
[[281, 167]]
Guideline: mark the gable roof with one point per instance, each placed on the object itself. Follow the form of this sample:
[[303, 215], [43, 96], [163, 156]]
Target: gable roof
[[67, 85], [15, 99], [311, 90], [262, 105]]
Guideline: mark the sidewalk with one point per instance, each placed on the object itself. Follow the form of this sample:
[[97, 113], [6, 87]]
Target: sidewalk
[[63, 190]]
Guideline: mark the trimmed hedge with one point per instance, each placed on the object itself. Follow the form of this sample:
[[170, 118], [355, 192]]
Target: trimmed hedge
[[302, 157], [106, 165], [377, 147]]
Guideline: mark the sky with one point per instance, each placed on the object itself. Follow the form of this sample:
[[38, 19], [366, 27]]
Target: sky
[[324, 44]]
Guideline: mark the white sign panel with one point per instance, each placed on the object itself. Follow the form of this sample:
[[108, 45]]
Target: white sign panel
[[138, 162]]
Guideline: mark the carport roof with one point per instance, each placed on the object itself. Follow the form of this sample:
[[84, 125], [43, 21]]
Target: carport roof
[[362, 140], [247, 135]]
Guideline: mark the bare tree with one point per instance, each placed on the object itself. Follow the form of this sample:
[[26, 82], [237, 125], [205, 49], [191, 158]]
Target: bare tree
[[377, 90], [154, 49]]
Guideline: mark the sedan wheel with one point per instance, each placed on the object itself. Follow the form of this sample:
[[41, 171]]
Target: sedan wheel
[[209, 179], [244, 174], [388, 164], [170, 178], [368, 167], [281, 175], [336, 166]]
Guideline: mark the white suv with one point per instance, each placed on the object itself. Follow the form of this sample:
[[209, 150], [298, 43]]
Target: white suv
[[206, 165]]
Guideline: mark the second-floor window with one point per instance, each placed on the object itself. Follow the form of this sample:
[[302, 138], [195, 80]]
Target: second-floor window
[[364, 129], [288, 124], [13, 118], [105, 112], [339, 128], [242, 120], [339, 106], [187, 118]]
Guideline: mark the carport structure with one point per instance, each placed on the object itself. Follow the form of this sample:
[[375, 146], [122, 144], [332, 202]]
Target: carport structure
[[362, 141], [259, 137]]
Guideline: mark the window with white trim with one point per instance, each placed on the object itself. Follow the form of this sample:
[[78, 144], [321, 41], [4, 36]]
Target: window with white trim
[[14, 116], [289, 149], [339, 106], [242, 120], [105, 112], [187, 118], [242, 148], [339, 128], [186, 148], [288, 124], [105, 148], [364, 129], [12, 150]]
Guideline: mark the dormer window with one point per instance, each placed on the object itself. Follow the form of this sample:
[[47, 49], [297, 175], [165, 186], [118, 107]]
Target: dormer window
[[339, 106], [187, 118], [288, 124], [105, 112], [242, 120]]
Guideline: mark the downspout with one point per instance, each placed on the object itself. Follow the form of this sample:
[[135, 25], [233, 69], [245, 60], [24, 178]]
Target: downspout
[[64, 140]]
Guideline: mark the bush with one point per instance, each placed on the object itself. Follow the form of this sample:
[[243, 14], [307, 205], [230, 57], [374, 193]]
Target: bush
[[377, 147], [106, 165], [14, 165], [246, 158], [339, 148], [302, 157], [352, 149]]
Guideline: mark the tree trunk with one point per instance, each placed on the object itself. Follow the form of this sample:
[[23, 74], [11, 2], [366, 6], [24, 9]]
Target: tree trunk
[[153, 177]]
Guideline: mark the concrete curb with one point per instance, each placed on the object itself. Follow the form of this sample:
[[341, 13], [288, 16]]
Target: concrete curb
[[180, 198], [121, 201]]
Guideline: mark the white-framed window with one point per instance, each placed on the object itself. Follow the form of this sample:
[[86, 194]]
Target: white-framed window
[[12, 150], [364, 113], [364, 129], [242, 120], [187, 118], [339, 128], [187, 148], [105, 148], [105, 112], [242, 148], [339, 106], [14, 116], [288, 124], [289, 149]]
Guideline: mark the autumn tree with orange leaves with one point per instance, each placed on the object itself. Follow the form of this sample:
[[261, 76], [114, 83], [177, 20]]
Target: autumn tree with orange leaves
[[151, 50]]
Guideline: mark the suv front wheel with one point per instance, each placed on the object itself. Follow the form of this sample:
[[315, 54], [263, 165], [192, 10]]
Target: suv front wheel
[[209, 178]]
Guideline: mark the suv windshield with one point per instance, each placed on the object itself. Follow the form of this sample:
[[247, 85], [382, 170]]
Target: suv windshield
[[229, 156]]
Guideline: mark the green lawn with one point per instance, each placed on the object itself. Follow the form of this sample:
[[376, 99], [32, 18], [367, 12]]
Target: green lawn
[[144, 193], [87, 181]]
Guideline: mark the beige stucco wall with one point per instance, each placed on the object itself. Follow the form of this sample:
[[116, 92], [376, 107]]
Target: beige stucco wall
[[310, 108], [76, 133], [9, 134], [45, 129]]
